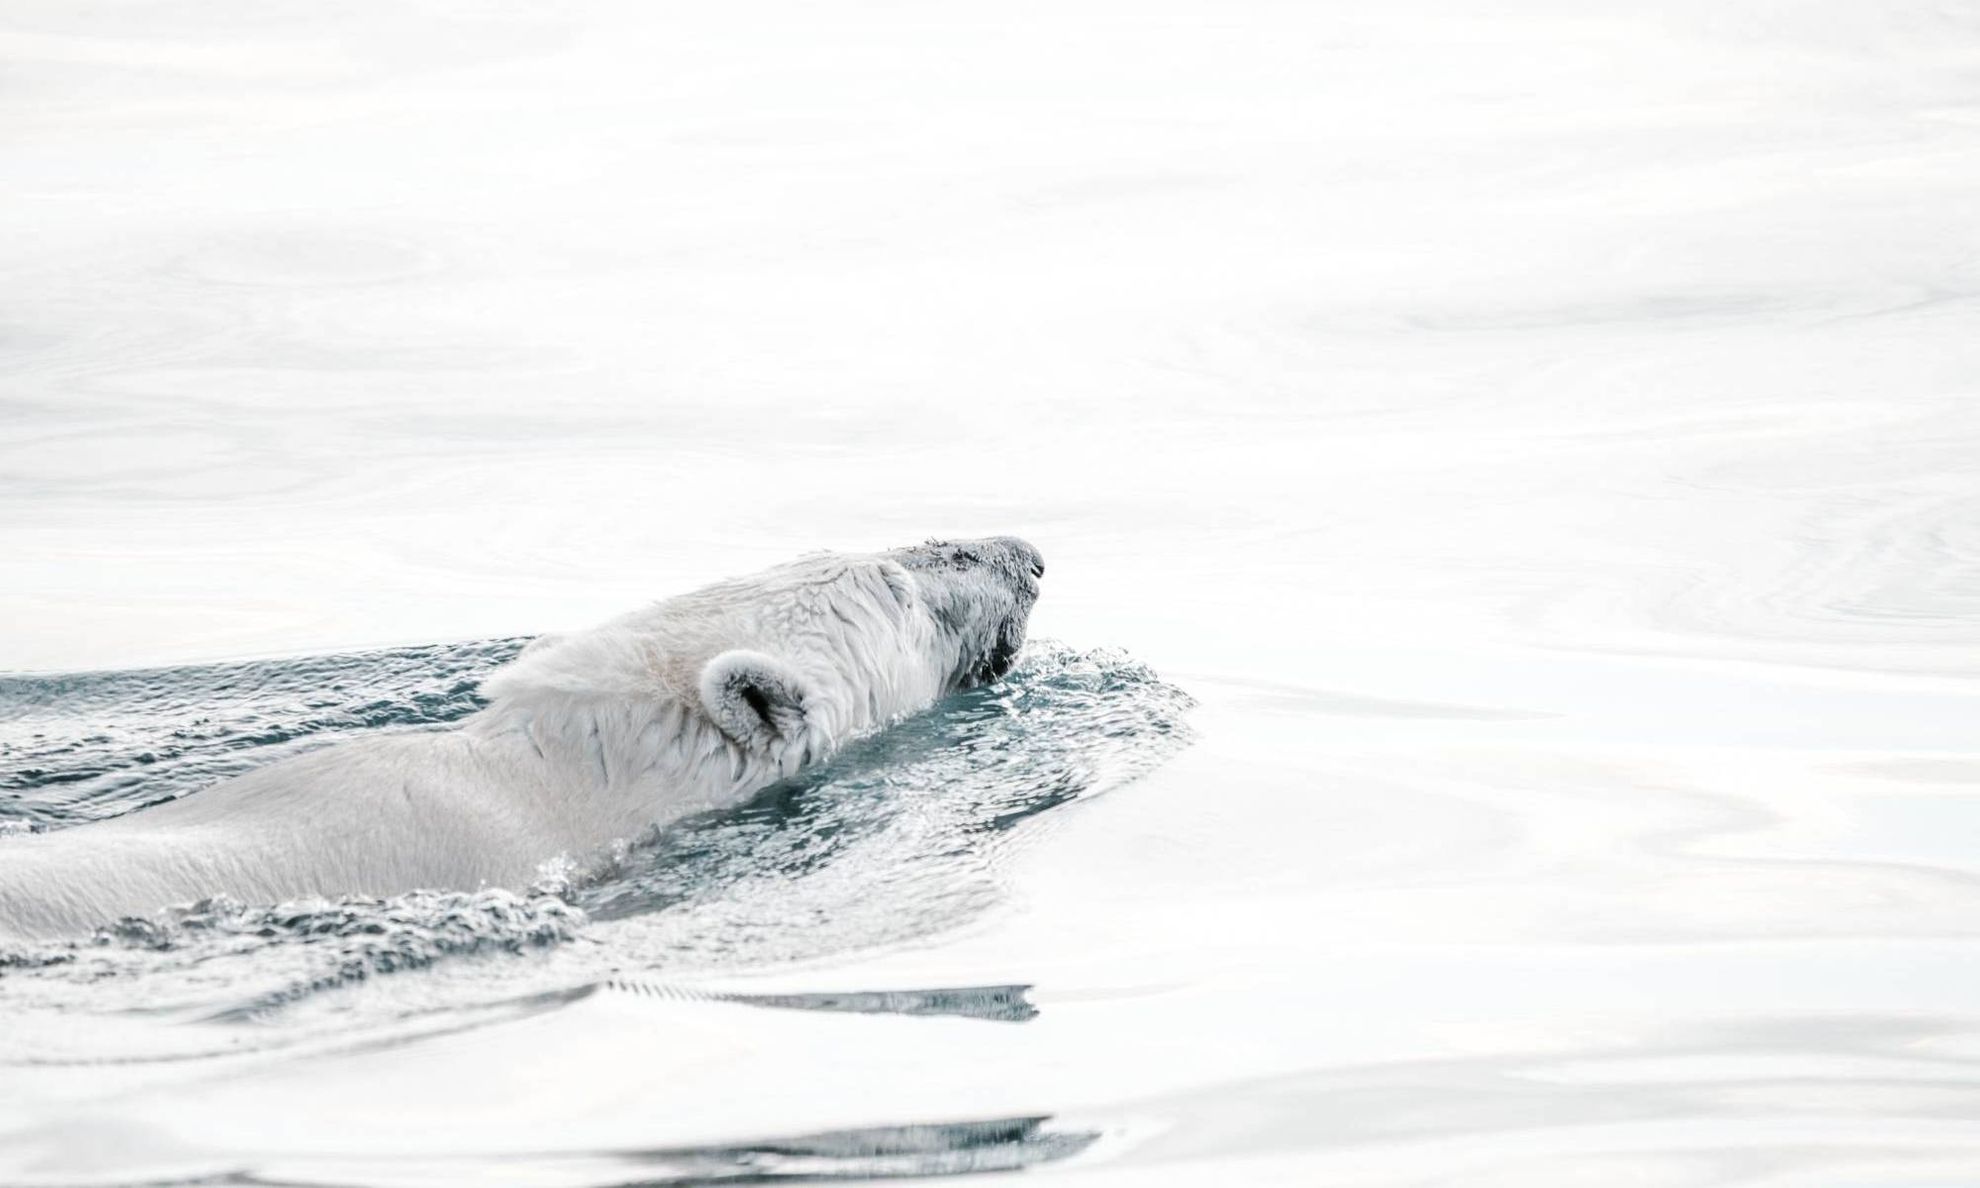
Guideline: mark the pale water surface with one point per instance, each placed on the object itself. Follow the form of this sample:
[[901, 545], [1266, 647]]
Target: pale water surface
[[1526, 456]]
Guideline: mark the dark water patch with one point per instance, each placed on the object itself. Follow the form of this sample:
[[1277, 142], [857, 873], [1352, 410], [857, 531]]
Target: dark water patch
[[999, 1004], [879, 1152], [911, 1151]]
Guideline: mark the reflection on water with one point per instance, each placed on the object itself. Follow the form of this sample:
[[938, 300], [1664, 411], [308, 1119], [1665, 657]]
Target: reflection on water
[[1750, 1103], [1003, 1004], [865, 1154]]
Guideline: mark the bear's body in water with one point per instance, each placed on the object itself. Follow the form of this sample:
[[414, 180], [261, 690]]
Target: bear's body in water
[[692, 704]]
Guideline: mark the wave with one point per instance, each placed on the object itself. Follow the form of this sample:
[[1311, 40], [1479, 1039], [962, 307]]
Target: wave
[[899, 836]]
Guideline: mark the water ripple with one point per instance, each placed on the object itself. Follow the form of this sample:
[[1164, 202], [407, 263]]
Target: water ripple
[[899, 836]]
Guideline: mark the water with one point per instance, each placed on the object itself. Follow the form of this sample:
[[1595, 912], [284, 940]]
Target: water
[[1540, 441], [899, 837]]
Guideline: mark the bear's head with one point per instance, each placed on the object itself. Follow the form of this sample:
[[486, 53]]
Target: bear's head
[[785, 664], [980, 593], [842, 644]]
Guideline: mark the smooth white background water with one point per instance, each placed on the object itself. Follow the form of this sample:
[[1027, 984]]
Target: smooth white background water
[[1546, 437]]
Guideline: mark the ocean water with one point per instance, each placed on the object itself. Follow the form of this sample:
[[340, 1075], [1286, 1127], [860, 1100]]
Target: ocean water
[[1506, 699]]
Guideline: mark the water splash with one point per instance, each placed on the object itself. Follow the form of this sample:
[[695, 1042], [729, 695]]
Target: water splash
[[900, 836]]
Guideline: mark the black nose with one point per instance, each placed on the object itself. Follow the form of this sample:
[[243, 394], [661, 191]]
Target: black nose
[[1038, 569]]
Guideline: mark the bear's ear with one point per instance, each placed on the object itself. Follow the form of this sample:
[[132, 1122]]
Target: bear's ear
[[755, 700]]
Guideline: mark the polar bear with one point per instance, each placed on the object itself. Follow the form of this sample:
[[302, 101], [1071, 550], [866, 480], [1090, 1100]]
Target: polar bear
[[691, 704]]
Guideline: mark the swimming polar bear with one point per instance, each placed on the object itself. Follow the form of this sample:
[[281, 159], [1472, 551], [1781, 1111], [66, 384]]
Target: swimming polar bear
[[694, 703]]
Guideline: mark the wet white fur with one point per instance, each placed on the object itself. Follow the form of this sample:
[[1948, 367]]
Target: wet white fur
[[587, 737]]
